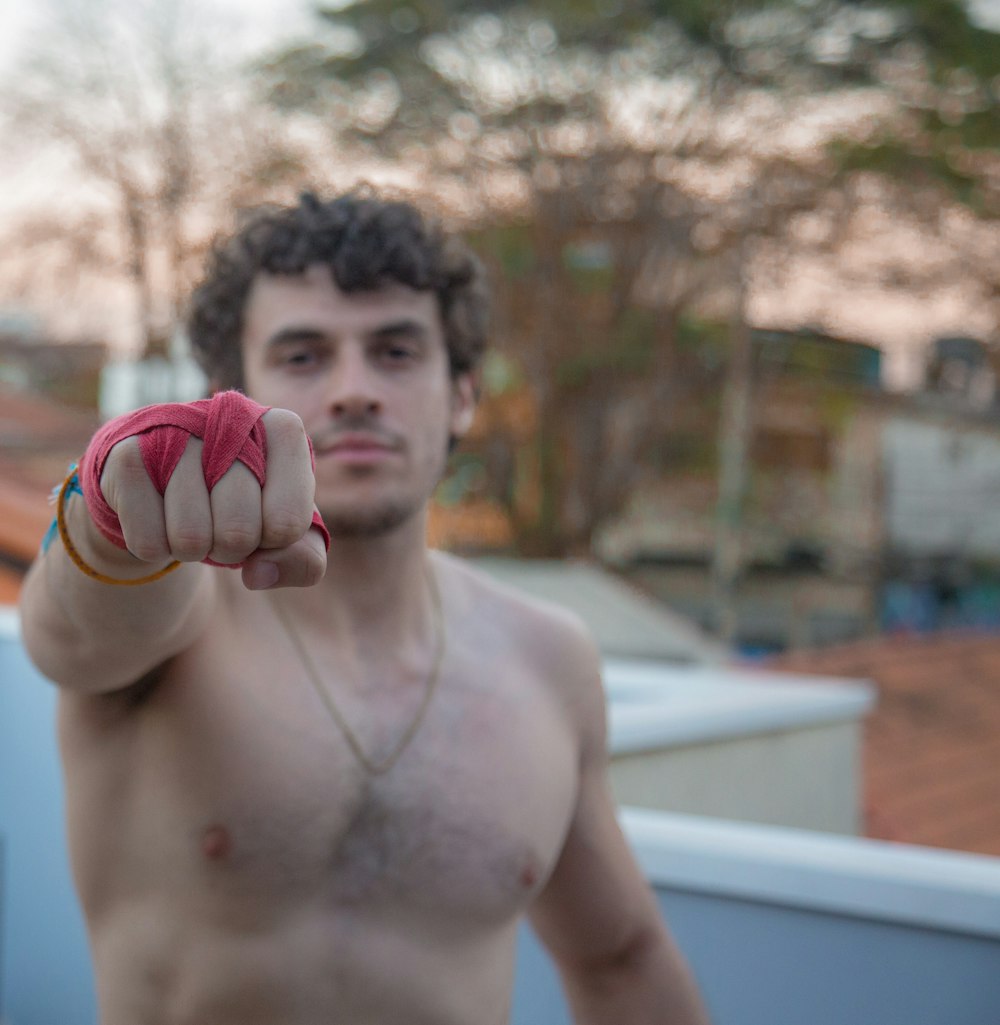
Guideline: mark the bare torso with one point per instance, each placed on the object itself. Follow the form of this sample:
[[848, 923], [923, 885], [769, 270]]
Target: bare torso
[[237, 866]]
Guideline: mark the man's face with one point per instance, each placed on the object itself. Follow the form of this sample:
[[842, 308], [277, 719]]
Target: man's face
[[368, 374]]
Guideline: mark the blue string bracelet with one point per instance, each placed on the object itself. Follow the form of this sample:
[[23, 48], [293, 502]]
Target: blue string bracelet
[[71, 486]]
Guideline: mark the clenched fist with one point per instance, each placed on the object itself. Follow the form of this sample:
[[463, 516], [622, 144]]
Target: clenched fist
[[222, 480]]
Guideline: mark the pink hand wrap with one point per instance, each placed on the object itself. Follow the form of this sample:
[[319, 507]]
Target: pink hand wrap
[[228, 423]]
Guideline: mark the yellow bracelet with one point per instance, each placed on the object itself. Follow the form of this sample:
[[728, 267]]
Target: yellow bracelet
[[70, 484]]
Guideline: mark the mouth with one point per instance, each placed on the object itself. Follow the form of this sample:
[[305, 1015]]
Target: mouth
[[356, 448]]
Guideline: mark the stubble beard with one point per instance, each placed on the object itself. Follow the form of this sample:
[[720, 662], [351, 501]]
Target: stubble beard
[[368, 524], [379, 517]]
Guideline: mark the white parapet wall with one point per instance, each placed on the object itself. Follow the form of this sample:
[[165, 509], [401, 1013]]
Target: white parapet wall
[[737, 743], [898, 884], [787, 927], [781, 926]]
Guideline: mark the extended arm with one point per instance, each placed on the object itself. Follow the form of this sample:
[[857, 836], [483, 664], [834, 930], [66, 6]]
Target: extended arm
[[95, 637], [599, 917]]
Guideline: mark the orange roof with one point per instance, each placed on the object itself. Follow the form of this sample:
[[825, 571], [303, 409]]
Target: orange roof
[[32, 422], [10, 586], [474, 525], [38, 439], [932, 744], [25, 514]]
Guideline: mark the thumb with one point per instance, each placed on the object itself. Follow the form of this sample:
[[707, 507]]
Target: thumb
[[301, 564]]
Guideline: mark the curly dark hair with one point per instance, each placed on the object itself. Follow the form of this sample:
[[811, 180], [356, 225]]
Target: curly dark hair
[[367, 242]]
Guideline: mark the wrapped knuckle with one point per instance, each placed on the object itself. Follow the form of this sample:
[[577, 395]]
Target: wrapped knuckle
[[237, 537], [124, 453], [146, 550], [189, 542], [284, 527], [123, 468], [283, 424]]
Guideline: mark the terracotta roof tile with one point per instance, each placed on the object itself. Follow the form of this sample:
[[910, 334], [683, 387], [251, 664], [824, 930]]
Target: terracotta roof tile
[[932, 743], [25, 514], [10, 586], [38, 439], [32, 421]]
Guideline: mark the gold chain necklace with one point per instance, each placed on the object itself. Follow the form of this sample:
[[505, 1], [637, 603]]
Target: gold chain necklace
[[375, 768]]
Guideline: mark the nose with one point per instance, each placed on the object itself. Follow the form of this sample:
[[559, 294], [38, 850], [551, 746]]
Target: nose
[[353, 387]]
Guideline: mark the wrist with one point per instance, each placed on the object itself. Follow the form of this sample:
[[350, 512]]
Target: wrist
[[92, 551]]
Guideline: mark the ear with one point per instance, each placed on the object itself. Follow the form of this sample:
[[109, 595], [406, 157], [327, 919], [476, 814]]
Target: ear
[[463, 404]]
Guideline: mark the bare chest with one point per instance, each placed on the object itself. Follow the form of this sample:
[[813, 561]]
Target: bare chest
[[244, 788]]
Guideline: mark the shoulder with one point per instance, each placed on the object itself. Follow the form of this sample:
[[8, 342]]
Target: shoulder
[[543, 625], [548, 640]]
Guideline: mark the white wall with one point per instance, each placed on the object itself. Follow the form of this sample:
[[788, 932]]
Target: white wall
[[942, 488], [737, 743], [805, 778]]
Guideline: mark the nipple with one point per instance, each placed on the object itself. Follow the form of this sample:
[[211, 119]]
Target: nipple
[[529, 876], [216, 843]]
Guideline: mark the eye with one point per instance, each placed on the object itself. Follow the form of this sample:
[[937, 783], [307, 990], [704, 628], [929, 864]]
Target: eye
[[300, 359], [398, 353]]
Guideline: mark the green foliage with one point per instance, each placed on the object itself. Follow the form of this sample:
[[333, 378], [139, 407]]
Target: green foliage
[[500, 373], [686, 452], [818, 357], [951, 40], [508, 245], [898, 160], [977, 130], [598, 23], [837, 407], [952, 125], [626, 352], [708, 338], [467, 476], [590, 266]]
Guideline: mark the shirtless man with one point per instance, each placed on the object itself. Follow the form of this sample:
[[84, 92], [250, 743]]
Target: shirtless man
[[323, 789]]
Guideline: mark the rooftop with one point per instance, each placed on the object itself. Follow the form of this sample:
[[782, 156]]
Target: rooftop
[[38, 439], [624, 621], [31, 424], [932, 742]]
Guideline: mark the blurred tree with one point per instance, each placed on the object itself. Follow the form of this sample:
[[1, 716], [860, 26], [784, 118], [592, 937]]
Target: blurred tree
[[933, 160], [140, 126], [603, 156], [625, 160]]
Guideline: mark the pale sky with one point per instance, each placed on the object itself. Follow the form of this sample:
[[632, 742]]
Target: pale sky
[[987, 12], [260, 23], [265, 21], [273, 18]]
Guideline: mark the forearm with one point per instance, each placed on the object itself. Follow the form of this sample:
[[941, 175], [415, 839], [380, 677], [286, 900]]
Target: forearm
[[93, 636], [649, 984]]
